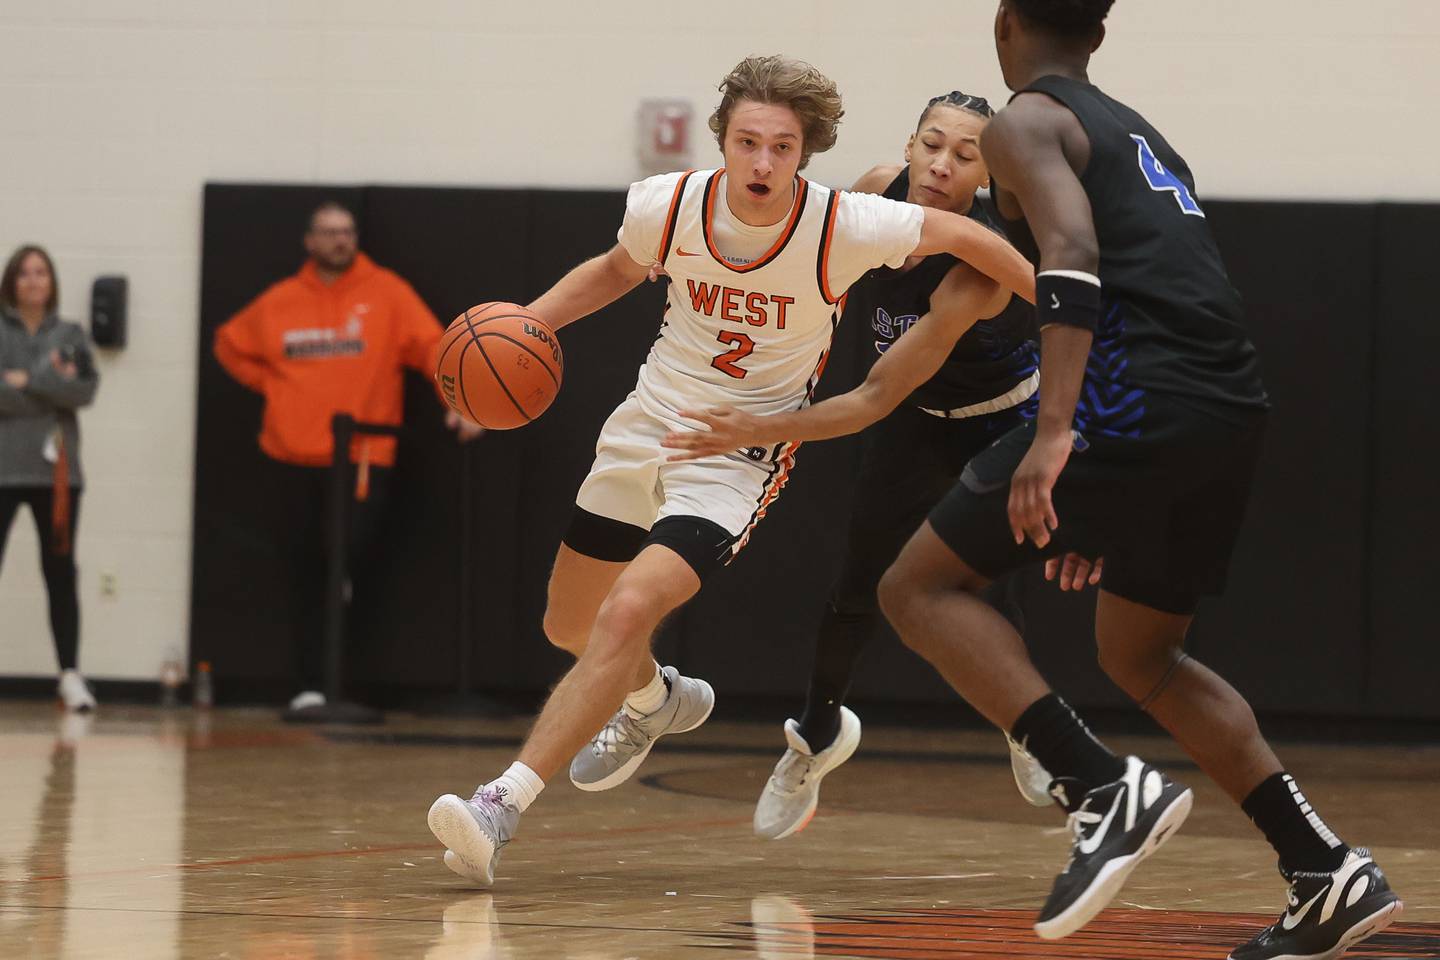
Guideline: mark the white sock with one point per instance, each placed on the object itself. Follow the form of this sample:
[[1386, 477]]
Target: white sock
[[649, 698], [519, 785]]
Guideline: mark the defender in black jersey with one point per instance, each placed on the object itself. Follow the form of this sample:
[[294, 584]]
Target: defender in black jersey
[[963, 375], [984, 387], [1149, 424]]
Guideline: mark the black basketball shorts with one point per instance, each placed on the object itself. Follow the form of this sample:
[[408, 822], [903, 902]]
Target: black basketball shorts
[[1163, 508]]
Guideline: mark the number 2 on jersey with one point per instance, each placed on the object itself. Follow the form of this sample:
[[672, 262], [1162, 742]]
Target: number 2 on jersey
[[725, 363], [1161, 180]]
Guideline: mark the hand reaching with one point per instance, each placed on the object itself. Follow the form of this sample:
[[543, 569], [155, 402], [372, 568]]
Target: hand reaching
[[730, 430], [1074, 571], [464, 429], [1032, 514]]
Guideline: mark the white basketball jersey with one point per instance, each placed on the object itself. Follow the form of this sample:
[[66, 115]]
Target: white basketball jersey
[[753, 335]]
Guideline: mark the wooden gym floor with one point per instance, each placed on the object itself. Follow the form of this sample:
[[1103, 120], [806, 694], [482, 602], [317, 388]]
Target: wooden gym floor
[[152, 834]]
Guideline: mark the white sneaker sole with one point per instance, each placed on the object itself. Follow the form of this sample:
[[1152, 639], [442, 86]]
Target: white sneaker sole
[[628, 768], [463, 868], [1031, 779], [1363, 930], [843, 751], [468, 851], [1113, 875]]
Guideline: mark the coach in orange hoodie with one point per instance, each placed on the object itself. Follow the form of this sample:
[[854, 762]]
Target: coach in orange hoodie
[[334, 338]]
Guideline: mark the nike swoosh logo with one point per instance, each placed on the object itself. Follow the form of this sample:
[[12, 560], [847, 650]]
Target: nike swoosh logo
[[1054, 301], [682, 252], [1092, 843], [1292, 920]]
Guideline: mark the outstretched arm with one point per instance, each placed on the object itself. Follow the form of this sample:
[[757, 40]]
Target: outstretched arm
[[979, 246], [592, 286], [1034, 148], [963, 297]]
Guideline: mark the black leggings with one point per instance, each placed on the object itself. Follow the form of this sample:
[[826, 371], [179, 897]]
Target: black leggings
[[911, 459], [59, 569], [299, 496]]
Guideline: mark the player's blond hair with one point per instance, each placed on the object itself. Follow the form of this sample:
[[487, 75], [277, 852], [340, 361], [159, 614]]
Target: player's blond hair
[[789, 83]]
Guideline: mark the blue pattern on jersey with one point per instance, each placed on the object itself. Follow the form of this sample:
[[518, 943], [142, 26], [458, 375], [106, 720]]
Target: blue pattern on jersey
[[1161, 179], [1110, 406]]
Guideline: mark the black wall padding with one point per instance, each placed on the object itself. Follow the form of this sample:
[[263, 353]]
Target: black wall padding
[[1324, 613], [455, 247], [1297, 592], [1404, 675]]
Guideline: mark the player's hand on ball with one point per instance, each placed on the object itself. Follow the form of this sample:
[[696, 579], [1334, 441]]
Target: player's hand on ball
[[1074, 571], [729, 431], [1032, 514], [464, 429]]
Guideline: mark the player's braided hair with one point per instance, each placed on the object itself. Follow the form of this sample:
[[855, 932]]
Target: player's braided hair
[[1065, 18], [788, 83], [960, 101]]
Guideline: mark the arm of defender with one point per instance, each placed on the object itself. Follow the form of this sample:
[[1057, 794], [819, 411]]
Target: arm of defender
[[1032, 147], [592, 286], [963, 297], [876, 179]]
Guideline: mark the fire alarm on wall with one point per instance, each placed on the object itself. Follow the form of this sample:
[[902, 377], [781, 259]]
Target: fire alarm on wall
[[663, 143]]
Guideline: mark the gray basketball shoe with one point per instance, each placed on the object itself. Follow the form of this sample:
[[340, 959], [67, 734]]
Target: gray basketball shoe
[[474, 831], [793, 791], [622, 745]]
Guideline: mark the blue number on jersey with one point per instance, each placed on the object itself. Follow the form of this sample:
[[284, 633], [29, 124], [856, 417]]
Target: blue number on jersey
[[1161, 179]]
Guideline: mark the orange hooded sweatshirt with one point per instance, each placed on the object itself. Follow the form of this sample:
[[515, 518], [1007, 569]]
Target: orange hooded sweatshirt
[[314, 350]]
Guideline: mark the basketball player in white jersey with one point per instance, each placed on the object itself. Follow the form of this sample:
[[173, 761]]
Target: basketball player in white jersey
[[758, 259]]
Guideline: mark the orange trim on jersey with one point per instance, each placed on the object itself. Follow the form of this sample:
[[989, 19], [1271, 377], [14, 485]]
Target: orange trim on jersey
[[824, 265], [784, 462], [669, 233], [802, 189]]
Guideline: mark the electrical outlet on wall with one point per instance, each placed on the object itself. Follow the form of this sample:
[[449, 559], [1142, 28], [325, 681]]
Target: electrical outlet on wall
[[108, 585]]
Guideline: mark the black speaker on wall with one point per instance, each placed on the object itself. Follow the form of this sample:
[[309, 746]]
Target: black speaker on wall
[[107, 311]]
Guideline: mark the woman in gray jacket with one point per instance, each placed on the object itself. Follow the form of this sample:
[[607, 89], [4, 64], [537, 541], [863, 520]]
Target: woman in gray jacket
[[46, 374]]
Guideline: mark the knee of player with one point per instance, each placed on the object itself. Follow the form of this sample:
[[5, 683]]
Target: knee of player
[[854, 606], [898, 597], [563, 632], [1135, 668], [628, 615]]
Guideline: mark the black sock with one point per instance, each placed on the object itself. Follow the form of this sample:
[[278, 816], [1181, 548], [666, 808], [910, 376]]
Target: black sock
[[837, 649], [1294, 829], [1065, 747]]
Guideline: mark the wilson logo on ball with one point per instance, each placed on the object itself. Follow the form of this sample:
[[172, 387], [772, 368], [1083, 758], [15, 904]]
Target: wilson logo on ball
[[544, 338], [447, 387]]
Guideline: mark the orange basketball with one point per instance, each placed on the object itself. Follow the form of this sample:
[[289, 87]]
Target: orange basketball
[[499, 365]]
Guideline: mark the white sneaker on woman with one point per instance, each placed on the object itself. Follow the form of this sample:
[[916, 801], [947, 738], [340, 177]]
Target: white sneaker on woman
[[75, 693]]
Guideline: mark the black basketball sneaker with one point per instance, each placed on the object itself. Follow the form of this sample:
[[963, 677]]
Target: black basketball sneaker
[[1116, 826], [1328, 913]]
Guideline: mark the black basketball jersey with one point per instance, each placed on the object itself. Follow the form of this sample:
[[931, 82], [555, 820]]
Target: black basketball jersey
[[1170, 320], [988, 361]]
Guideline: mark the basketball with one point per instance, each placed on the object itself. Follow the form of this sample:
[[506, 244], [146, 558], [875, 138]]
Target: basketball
[[499, 365]]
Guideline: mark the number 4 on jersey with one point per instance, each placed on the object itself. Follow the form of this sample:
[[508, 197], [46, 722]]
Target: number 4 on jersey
[[1161, 180]]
